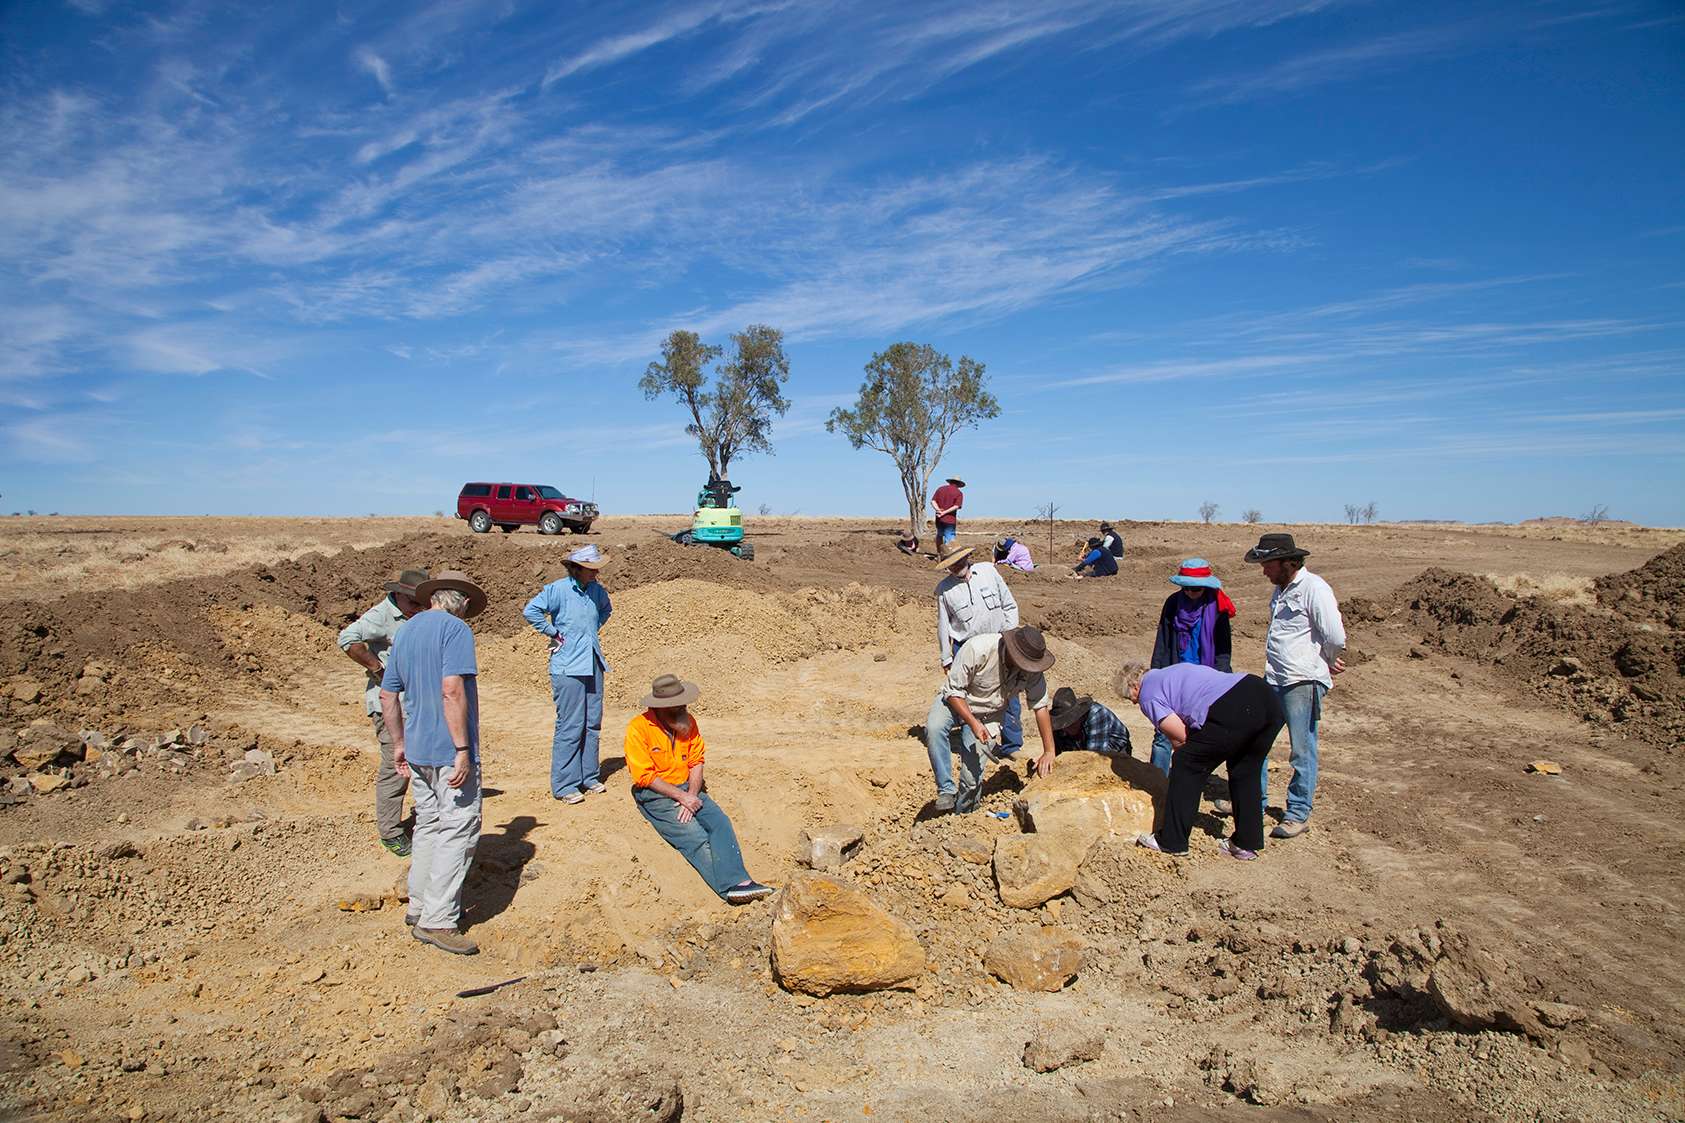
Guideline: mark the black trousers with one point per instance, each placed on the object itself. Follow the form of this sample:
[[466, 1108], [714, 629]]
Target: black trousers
[[1238, 732]]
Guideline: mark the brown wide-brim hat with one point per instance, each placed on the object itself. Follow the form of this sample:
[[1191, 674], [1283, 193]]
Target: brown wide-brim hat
[[1028, 648], [669, 691], [456, 581], [954, 556], [1067, 708], [1275, 547], [407, 581]]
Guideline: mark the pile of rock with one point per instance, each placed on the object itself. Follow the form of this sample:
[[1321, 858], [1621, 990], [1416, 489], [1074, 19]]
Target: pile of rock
[[43, 757]]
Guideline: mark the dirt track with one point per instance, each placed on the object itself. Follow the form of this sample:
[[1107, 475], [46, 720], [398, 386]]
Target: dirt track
[[172, 943]]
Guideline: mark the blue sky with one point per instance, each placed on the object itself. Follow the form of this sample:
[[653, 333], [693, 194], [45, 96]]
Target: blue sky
[[1279, 254]]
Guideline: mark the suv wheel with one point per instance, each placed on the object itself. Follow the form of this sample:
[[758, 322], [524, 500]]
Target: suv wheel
[[479, 522], [551, 523]]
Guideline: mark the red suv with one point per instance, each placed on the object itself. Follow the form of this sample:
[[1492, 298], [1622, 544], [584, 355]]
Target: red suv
[[512, 505]]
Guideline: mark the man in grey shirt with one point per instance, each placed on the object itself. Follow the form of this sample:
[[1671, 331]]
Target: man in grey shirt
[[973, 600], [368, 641]]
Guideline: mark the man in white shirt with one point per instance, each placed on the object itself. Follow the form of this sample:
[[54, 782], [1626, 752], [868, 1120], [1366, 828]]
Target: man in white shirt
[[1302, 654], [987, 672], [973, 600]]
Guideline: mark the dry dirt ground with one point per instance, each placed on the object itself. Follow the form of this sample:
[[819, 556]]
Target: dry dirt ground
[[174, 946]]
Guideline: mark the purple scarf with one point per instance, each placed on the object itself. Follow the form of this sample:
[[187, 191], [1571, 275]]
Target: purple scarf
[[1205, 614]]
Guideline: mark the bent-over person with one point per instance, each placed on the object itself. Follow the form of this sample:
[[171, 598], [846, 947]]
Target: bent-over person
[[437, 745], [666, 758], [987, 672], [1082, 724], [368, 641], [1211, 718]]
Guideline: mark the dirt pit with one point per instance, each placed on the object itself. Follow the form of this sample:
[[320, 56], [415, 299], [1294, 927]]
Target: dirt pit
[[196, 921]]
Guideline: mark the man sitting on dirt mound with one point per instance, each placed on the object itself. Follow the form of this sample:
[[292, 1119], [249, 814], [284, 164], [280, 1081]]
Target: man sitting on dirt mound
[[664, 754], [437, 745], [368, 641], [987, 671]]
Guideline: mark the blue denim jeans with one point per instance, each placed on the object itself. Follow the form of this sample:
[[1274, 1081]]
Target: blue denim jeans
[[1012, 721], [708, 842], [579, 729], [945, 533], [945, 734], [1161, 751], [1303, 703]]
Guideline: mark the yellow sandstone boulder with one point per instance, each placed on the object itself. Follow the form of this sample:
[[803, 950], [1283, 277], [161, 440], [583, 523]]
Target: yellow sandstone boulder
[[829, 938], [1091, 795]]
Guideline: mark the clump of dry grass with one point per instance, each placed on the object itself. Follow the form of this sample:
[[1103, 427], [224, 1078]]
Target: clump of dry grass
[[1561, 588]]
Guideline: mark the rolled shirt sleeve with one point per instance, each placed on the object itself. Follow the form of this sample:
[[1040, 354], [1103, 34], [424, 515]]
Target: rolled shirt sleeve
[[539, 611], [1327, 627], [359, 630], [640, 765], [1035, 692]]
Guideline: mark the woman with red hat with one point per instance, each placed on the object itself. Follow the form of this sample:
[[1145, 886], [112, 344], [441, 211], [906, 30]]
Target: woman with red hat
[[1193, 627]]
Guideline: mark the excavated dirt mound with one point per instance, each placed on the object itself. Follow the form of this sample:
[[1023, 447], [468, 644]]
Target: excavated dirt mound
[[1605, 666], [1655, 591]]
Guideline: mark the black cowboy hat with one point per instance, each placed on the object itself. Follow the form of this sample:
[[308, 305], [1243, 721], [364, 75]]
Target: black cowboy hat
[[1275, 547], [1068, 709]]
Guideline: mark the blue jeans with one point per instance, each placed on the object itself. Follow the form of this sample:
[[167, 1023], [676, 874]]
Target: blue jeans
[[707, 842], [1161, 751], [941, 727], [1303, 703], [579, 729], [1012, 721], [945, 533]]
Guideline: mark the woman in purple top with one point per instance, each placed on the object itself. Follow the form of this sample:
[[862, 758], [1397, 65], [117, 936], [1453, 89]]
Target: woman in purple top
[[1211, 718]]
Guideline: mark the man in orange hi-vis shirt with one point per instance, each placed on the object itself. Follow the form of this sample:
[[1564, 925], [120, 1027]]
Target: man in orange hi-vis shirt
[[664, 754]]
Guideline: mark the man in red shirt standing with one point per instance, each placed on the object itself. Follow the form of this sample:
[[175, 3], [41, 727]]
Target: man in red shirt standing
[[946, 503]]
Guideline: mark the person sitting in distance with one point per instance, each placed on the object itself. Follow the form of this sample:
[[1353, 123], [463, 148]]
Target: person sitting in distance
[[1098, 561], [664, 754]]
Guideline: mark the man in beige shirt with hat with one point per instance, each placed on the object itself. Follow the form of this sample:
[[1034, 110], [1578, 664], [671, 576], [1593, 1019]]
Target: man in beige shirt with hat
[[989, 670], [973, 600], [368, 640]]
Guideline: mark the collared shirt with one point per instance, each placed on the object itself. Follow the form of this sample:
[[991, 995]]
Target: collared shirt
[[376, 629], [1102, 563], [1101, 731], [653, 752], [574, 614], [978, 605], [980, 676], [1306, 633], [948, 496], [433, 646]]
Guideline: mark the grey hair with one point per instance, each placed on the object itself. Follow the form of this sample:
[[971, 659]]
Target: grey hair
[[1129, 677], [451, 601]]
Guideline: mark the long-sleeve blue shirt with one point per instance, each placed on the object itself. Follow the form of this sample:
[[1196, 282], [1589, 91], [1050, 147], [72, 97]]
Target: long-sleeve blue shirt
[[573, 613]]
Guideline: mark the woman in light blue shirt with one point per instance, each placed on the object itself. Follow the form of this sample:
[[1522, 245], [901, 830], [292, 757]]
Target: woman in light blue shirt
[[571, 612]]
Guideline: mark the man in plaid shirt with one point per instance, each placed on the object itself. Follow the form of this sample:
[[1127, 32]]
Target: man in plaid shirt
[[1084, 724]]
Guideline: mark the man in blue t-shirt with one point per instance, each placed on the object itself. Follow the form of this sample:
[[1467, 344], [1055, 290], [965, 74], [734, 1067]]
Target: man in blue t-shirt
[[437, 745]]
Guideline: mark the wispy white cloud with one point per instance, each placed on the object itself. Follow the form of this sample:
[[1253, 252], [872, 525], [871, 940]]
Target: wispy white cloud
[[1326, 65], [377, 67]]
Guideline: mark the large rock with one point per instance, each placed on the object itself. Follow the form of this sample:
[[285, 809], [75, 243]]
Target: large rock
[[1091, 795], [1066, 1045], [1032, 868], [827, 848], [1477, 990], [41, 745], [1043, 959], [828, 938]]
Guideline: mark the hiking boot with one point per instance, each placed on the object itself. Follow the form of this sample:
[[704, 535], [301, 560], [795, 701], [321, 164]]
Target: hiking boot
[[944, 803], [447, 939], [1290, 828], [398, 847], [748, 891], [1150, 842], [1238, 853]]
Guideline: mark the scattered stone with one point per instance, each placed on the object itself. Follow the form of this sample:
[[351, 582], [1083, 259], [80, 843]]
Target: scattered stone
[[197, 734], [956, 897], [1545, 767], [827, 848], [973, 850], [361, 902], [828, 938], [1040, 959], [94, 739], [1092, 795], [880, 779], [1054, 1049], [77, 976], [1418, 652], [26, 691], [1559, 1015], [42, 745], [43, 782], [1030, 869]]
